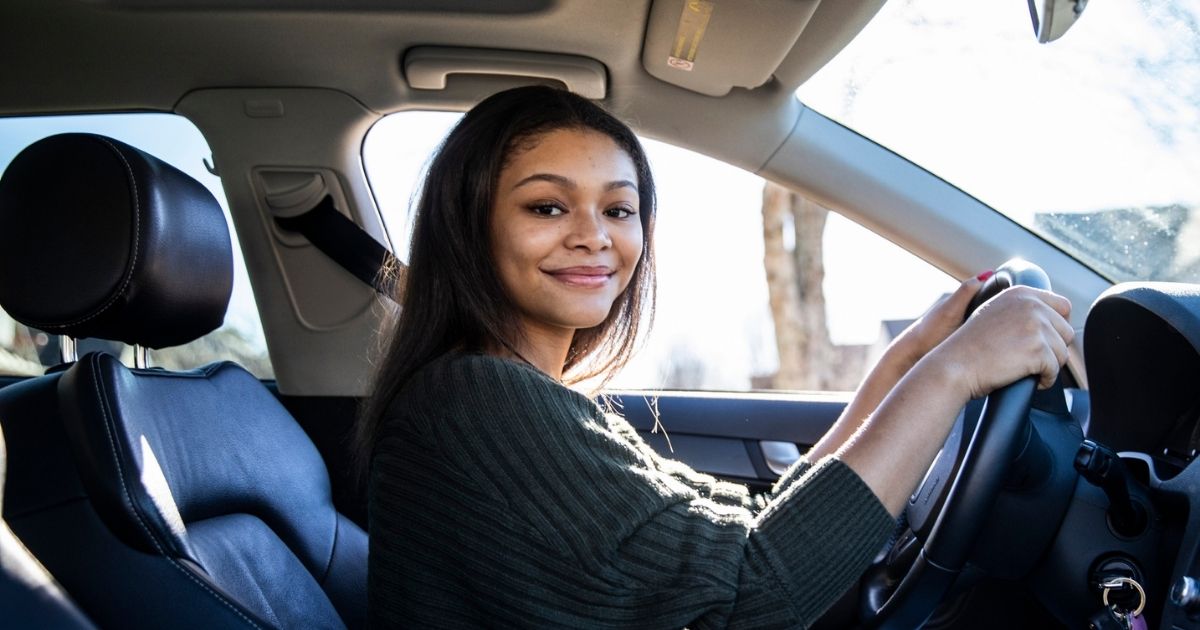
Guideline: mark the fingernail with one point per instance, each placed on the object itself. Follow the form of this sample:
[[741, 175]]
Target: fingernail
[[985, 275]]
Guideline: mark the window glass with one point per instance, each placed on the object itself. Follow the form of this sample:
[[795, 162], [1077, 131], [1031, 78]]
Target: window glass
[[714, 327], [176, 141], [1092, 140]]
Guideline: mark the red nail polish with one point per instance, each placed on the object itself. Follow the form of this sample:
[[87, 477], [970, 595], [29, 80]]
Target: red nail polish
[[985, 275]]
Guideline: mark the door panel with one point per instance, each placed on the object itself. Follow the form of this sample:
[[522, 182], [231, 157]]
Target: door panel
[[740, 437]]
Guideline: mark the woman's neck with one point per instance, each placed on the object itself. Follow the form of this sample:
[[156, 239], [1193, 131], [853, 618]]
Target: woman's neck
[[545, 348]]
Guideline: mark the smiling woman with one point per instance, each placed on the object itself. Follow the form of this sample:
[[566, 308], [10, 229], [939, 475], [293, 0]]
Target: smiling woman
[[499, 496], [532, 255], [566, 243]]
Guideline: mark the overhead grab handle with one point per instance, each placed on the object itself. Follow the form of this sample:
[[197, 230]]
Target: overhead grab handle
[[426, 68]]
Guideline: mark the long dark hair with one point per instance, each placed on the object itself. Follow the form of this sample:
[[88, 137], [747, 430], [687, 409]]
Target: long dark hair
[[451, 295]]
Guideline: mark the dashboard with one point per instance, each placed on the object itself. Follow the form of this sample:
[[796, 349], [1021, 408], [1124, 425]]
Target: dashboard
[[1142, 351]]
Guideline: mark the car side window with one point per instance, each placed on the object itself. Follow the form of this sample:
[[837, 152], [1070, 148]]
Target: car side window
[[759, 288], [178, 142]]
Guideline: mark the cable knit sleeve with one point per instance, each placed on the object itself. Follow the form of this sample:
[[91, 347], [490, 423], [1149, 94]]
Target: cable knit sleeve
[[548, 515]]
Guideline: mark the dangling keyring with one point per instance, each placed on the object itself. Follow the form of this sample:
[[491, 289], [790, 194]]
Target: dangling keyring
[[1117, 582]]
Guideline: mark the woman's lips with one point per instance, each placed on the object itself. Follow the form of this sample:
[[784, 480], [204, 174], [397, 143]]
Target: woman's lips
[[584, 277]]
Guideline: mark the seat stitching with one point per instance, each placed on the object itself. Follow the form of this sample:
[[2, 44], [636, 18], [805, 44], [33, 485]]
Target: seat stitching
[[133, 507], [137, 235]]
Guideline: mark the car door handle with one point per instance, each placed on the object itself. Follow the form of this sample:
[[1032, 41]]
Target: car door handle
[[779, 455]]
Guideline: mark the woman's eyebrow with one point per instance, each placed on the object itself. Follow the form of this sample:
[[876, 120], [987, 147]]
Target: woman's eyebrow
[[569, 183], [620, 183], [565, 182]]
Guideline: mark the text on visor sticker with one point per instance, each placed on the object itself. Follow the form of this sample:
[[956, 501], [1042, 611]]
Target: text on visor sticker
[[692, 23]]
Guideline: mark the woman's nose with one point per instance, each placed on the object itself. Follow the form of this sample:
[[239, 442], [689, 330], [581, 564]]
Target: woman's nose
[[589, 232]]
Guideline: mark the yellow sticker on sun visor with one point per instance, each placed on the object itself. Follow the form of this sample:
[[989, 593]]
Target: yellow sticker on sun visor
[[692, 23]]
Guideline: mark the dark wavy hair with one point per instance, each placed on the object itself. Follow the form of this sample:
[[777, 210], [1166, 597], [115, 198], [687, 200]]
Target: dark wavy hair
[[451, 296]]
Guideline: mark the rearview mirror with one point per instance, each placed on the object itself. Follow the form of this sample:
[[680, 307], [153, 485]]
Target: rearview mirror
[[1052, 18]]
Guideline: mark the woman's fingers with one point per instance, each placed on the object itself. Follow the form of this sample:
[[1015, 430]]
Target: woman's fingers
[[968, 288], [1058, 303], [955, 305], [1054, 355], [1059, 338], [1021, 331], [1047, 313], [942, 319], [1063, 329]]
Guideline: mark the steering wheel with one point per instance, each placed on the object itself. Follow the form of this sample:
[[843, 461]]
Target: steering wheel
[[904, 589]]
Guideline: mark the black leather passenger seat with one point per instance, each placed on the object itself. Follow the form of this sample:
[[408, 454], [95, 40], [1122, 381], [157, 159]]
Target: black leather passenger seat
[[29, 596], [157, 498]]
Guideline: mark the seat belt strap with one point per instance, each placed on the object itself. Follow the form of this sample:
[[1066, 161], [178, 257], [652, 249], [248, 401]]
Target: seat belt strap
[[347, 244]]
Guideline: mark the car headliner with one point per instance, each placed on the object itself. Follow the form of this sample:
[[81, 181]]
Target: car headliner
[[74, 56]]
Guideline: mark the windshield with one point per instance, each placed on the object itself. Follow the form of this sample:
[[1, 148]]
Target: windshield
[[1092, 141]]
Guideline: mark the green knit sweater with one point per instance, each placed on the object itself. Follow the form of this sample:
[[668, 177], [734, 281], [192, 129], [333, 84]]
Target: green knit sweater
[[500, 498]]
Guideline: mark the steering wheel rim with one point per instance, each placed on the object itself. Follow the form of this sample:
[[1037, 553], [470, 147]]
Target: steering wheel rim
[[995, 443]]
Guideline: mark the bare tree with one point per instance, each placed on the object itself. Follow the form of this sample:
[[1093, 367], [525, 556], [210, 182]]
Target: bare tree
[[795, 269]]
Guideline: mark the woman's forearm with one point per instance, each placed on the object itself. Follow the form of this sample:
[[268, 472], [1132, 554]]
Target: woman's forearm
[[1020, 332], [896, 361], [938, 323], [893, 448]]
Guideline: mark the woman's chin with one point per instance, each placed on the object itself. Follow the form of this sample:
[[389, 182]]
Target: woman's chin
[[592, 322], [584, 320]]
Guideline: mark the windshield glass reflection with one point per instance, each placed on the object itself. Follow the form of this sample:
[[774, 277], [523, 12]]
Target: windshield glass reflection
[[1092, 141]]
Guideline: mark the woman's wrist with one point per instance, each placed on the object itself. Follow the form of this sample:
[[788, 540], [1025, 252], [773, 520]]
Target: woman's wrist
[[944, 366]]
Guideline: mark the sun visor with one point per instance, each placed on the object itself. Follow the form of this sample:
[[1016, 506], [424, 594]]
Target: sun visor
[[713, 46], [1142, 348]]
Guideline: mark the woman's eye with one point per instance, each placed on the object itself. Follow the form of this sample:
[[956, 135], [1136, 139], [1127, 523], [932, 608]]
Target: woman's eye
[[620, 212], [547, 209]]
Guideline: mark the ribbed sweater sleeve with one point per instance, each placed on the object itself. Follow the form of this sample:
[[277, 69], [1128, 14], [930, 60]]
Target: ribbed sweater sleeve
[[706, 485], [541, 512]]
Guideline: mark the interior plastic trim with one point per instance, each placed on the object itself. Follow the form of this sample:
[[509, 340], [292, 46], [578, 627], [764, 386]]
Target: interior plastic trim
[[428, 67]]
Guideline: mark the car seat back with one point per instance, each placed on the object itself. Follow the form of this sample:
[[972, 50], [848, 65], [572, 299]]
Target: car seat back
[[29, 596], [180, 499]]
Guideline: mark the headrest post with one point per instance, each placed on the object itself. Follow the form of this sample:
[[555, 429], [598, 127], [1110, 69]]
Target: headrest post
[[68, 350], [141, 357]]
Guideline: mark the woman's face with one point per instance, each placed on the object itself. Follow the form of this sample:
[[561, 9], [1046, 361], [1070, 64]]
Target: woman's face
[[565, 229]]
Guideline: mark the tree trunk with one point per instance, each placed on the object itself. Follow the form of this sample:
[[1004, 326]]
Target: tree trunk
[[795, 272]]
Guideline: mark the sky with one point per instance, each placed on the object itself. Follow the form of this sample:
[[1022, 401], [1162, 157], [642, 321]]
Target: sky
[[1081, 123], [1102, 118]]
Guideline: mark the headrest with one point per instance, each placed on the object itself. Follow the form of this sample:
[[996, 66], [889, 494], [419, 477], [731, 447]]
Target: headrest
[[98, 239]]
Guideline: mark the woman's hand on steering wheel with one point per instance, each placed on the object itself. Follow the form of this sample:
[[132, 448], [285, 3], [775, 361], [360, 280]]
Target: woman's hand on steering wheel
[[1021, 331], [940, 321]]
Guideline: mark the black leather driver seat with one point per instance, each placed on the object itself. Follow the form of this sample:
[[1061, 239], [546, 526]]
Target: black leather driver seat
[[158, 498]]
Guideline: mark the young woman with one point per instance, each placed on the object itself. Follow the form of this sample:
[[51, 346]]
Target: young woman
[[501, 498]]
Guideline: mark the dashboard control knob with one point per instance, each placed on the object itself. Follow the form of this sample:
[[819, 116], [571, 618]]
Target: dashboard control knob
[[1186, 594]]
